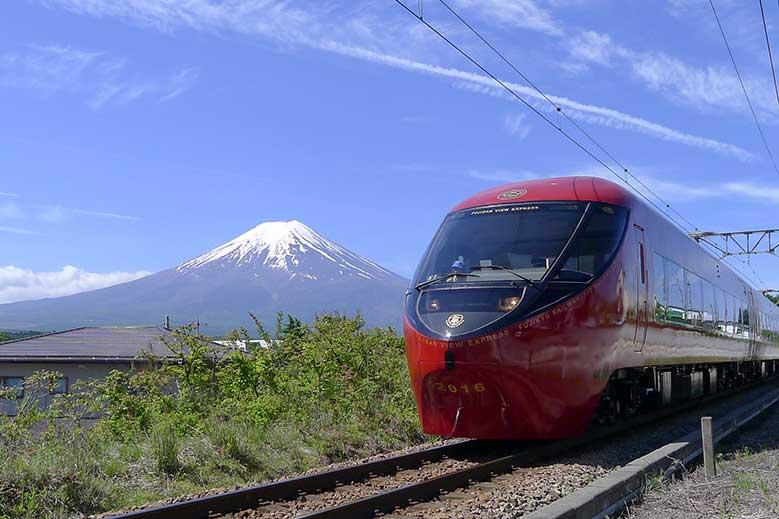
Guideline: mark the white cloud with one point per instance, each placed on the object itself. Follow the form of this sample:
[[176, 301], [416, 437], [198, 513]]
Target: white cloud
[[581, 111], [525, 14], [99, 214], [17, 284], [53, 214], [10, 210], [593, 47], [16, 230], [759, 192], [710, 88], [346, 29], [58, 214], [9, 194], [516, 126], [101, 78]]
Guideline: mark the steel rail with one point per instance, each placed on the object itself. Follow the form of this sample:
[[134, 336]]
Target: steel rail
[[421, 491], [426, 490], [286, 489]]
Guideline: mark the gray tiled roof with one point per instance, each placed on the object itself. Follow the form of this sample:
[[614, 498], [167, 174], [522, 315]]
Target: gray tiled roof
[[89, 343]]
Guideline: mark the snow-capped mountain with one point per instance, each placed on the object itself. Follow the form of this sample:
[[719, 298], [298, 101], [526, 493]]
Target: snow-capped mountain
[[274, 267], [291, 247]]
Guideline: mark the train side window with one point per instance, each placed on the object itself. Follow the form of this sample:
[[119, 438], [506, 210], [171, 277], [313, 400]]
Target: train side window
[[722, 310], [733, 316], [676, 291], [658, 275], [709, 306], [743, 319], [737, 317], [695, 299]]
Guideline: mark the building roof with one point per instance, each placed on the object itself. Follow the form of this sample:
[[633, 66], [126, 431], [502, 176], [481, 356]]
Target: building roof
[[89, 344], [584, 189]]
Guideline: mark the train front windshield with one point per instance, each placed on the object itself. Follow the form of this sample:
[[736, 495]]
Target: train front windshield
[[485, 263]]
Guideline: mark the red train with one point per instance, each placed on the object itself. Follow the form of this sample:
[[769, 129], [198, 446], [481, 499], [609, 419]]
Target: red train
[[544, 305]]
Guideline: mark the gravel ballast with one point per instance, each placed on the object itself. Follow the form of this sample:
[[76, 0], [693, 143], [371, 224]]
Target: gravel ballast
[[529, 488]]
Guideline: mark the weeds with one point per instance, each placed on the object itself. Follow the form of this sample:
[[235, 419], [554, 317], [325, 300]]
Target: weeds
[[212, 418]]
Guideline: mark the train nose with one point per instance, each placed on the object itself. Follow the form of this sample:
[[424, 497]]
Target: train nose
[[471, 400]]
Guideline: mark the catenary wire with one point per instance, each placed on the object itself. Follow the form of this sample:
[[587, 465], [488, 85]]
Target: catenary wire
[[537, 112], [743, 88], [770, 55], [565, 134], [559, 109]]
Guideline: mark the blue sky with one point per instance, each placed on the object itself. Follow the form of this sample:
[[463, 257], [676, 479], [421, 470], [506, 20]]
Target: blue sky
[[136, 135]]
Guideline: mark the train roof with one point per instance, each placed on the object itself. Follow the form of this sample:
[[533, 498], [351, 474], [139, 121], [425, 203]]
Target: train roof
[[584, 189]]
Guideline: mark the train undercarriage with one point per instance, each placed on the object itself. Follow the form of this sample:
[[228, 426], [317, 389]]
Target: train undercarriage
[[632, 390]]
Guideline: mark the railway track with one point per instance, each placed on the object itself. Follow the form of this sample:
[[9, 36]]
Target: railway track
[[387, 485]]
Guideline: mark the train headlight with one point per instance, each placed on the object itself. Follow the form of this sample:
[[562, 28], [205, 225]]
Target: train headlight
[[433, 305], [507, 304]]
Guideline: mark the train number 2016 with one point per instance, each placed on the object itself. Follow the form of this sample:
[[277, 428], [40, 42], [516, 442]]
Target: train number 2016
[[462, 388]]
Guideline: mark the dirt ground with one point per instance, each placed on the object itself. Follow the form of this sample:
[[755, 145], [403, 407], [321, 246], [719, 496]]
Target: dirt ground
[[747, 484]]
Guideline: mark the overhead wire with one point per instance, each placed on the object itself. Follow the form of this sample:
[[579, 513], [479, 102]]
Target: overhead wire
[[768, 46], [537, 112], [743, 88], [560, 110]]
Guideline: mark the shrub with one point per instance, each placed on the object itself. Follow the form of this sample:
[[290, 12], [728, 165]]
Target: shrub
[[317, 394]]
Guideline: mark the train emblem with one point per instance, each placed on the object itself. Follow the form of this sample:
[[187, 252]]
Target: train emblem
[[514, 193], [455, 320]]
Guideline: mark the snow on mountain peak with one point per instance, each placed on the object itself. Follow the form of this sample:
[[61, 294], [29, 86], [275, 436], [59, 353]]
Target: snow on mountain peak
[[282, 246]]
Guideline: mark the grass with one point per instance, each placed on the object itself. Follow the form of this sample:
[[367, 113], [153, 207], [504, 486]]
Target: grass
[[327, 393]]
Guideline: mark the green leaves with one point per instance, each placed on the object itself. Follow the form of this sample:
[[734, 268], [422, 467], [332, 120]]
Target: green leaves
[[211, 416]]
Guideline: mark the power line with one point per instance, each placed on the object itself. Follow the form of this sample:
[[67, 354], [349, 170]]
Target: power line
[[768, 45], [743, 88], [559, 109], [535, 110]]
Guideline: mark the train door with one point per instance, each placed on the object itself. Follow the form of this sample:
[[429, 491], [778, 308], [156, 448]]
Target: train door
[[642, 290]]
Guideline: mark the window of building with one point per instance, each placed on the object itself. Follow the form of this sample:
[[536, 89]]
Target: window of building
[[16, 383], [60, 386]]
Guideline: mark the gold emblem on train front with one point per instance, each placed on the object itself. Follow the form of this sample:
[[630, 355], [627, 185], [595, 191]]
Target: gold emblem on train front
[[514, 193], [455, 320]]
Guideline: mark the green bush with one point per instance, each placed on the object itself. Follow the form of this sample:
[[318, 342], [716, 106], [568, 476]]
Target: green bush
[[212, 418]]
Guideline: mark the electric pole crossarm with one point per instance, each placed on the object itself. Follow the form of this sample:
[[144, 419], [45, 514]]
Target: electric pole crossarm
[[745, 243]]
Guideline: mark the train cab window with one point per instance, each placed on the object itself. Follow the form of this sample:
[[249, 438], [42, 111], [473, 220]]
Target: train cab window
[[660, 292], [488, 244], [487, 262], [676, 293], [596, 245]]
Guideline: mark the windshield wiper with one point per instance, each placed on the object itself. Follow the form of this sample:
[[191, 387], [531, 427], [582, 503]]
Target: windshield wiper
[[436, 279], [501, 267]]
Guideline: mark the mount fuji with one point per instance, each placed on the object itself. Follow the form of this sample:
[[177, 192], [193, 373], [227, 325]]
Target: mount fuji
[[277, 266]]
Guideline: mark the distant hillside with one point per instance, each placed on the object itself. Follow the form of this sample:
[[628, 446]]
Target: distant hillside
[[277, 266]]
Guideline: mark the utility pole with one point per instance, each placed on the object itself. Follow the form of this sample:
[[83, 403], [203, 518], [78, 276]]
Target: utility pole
[[742, 243]]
